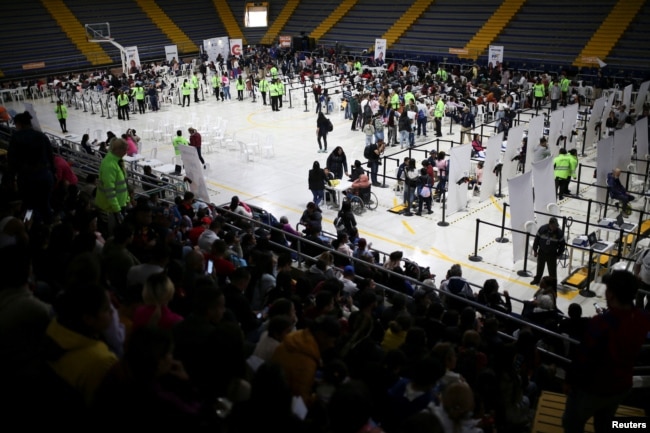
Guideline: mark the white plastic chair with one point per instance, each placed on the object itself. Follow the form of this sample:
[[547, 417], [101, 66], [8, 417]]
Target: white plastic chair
[[245, 152], [553, 209], [98, 135], [531, 228], [148, 131], [268, 148], [231, 142]]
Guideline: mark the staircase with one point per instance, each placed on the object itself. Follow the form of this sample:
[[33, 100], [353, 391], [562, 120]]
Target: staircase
[[279, 23], [164, 23], [402, 25], [603, 41], [488, 33], [329, 22], [229, 21], [76, 32]]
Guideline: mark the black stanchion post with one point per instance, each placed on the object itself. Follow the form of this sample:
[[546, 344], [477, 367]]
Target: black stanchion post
[[92, 107], [502, 239], [578, 180], [443, 200], [83, 100], [586, 292], [202, 93], [525, 272], [475, 257], [290, 99], [589, 215], [304, 89], [451, 123], [383, 182], [499, 194]]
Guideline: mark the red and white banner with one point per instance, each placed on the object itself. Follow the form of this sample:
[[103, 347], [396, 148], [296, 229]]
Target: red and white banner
[[236, 47]]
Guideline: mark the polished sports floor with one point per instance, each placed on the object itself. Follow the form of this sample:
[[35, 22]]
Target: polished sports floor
[[277, 181]]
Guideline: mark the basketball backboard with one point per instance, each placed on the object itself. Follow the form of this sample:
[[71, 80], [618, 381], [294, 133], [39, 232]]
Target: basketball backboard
[[98, 32]]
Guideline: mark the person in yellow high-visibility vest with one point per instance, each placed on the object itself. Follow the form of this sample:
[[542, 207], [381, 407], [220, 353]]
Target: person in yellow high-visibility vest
[[138, 94], [186, 89], [539, 92], [178, 141], [274, 94], [438, 114], [122, 105], [280, 92], [61, 114], [239, 84], [195, 86], [216, 86], [562, 172], [264, 88], [564, 87]]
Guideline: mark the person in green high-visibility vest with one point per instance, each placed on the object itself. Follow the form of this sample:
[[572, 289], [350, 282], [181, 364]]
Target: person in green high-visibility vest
[[564, 87], [178, 141], [264, 88], [539, 92], [195, 86], [61, 114], [216, 86], [138, 94], [280, 92], [186, 89], [562, 171], [239, 84], [122, 105]]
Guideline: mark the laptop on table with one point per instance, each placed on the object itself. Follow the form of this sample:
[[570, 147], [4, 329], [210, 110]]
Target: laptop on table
[[622, 224], [595, 244]]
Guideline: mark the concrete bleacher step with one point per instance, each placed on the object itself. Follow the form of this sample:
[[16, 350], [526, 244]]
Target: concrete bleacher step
[[228, 20], [406, 20], [550, 408], [278, 24], [488, 33]]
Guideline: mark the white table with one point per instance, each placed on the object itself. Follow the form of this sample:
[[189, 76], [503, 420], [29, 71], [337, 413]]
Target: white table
[[150, 162], [132, 160], [338, 190]]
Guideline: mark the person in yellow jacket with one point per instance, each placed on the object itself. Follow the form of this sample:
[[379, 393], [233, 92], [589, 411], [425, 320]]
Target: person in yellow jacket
[[438, 114], [562, 172], [112, 192], [195, 86], [274, 72], [274, 89], [280, 92], [216, 86], [394, 100], [539, 92], [240, 88], [178, 141], [122, 105], [564, 87], [299, 354], [186, 89], [264, 88], [82, 359], [138, 94], [62, 115]]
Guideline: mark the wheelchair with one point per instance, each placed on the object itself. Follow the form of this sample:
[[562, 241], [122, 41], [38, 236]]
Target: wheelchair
[[361, 199]]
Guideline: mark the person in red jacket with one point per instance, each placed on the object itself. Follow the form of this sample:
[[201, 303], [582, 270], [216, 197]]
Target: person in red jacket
[[195, 141]]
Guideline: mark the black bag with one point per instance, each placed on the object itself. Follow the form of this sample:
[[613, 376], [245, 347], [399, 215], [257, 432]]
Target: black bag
[[368, 152], [330, 127]]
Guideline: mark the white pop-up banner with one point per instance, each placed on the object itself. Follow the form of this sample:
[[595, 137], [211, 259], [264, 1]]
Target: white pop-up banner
[[215, 46], [380, 50], [495, 54], [171, 52], [521, 211], [490, 171], [544, 182], [132, 58], [459, 165]]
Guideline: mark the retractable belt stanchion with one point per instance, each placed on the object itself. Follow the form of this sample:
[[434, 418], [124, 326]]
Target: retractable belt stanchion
[[502, 239], [475, 257], [443, 201], [304, 89], [525, 272]]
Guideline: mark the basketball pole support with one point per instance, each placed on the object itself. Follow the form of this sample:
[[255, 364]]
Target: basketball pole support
[[123, 53]]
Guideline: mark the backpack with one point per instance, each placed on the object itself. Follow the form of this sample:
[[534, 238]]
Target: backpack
[[368, 152], [421, 114], [330, 126], [467, 120], [339, 224], [367, 111]]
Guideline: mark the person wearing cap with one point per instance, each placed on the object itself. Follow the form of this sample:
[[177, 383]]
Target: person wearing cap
[[349, 286], [548, 245], [467, 123]]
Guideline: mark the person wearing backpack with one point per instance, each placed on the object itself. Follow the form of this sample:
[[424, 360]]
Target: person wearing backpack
[[379, 127], [367, 111], [424, 190]]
